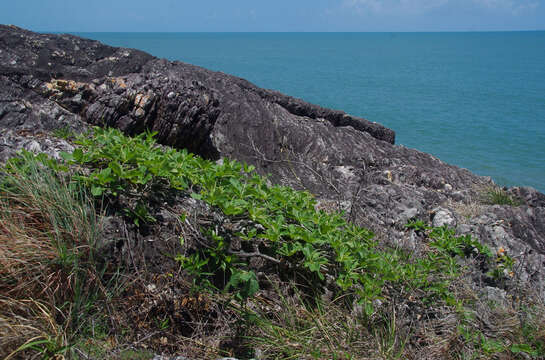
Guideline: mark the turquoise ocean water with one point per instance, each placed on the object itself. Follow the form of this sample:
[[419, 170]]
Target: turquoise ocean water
[[476, 100]]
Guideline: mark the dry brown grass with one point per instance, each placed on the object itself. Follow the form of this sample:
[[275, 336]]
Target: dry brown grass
[[467, 210], [47, 235], [479, 198], [31, 321], [25, 250], [401, 328]]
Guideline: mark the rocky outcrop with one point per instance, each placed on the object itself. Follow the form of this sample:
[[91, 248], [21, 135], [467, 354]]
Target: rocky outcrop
[[49, 82]]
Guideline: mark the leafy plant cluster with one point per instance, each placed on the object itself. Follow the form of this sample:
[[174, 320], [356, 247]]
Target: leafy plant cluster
[[291, 230], [444, 239], [288, 231]]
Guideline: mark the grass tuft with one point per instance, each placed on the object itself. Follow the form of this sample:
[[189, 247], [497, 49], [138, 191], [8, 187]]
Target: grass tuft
[[49, 275], [64, 132], [498, 196]]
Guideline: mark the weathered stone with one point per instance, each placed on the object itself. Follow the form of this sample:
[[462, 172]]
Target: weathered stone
[[498, 296], [443, 217], [12, 142]]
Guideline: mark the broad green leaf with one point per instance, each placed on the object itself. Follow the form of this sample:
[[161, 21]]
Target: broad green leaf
[[97, 190]]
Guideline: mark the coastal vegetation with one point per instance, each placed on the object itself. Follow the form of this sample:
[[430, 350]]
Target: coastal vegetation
[[265, 275]]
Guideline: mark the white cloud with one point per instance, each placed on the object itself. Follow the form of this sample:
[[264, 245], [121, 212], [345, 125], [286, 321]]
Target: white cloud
[[513, 6], [422, 6], [395, 6]]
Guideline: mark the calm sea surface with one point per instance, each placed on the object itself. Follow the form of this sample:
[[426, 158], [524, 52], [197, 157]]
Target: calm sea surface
[[476, 100]]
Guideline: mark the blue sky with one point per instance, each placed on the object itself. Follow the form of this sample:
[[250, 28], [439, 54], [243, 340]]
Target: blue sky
[[274, 15]]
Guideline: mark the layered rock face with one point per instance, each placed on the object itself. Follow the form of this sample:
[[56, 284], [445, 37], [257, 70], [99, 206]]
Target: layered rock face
[[49, 82]]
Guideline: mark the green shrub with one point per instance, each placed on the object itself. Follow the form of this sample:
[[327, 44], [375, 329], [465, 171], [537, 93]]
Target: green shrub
[[288, 229]]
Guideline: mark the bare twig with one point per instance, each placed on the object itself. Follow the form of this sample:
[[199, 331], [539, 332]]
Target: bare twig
[[126, 233], [132, 345], [254, 254], [81, 353]]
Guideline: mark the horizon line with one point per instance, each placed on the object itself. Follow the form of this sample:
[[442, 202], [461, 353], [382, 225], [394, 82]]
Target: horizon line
[[286, 32], [280, 32]]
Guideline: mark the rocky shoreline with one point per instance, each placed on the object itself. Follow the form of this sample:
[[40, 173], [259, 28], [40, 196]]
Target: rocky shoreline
[[51, 82]]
